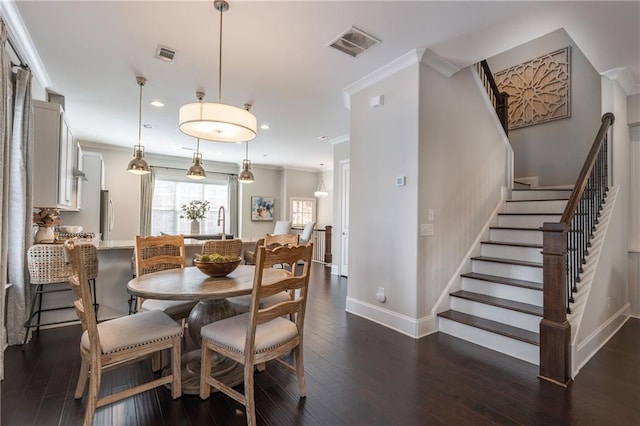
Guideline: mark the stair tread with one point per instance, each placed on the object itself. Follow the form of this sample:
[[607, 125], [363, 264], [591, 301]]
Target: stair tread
[[507, 243], [504, 280], [539, 199], [515, 228], [499, 302], [530, 214], [508, 261], [492, 326], [542, 189]]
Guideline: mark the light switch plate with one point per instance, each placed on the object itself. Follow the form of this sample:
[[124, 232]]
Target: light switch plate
[[426, 229], [401, 180]]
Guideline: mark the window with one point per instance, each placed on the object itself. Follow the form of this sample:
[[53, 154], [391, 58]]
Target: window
[[303, 211], [170, 194]]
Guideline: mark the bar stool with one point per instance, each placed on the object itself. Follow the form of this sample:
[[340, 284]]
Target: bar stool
[[47, 265]]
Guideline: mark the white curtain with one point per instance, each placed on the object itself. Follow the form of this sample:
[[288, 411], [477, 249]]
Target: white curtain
[[4, 137], [19, 188], [147, 183]]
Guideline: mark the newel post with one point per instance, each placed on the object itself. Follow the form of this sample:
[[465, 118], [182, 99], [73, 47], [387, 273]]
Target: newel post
[[328, 257], [555, 330], [502, 109]]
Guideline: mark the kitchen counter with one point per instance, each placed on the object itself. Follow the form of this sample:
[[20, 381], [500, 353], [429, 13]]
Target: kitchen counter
[[129, 244]]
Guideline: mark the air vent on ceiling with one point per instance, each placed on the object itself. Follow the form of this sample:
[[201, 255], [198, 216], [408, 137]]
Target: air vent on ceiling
[[354, 42], [165, 54]]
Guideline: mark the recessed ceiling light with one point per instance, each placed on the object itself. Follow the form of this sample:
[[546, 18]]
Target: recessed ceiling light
[[157, 103], [265, 127], [321, 138], [147, 126]]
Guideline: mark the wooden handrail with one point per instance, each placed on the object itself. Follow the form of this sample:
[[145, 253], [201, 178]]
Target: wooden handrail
[[565, 247], [500, 100], [589, 164]]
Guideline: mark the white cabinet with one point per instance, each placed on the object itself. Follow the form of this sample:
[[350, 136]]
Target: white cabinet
[[54, 158]]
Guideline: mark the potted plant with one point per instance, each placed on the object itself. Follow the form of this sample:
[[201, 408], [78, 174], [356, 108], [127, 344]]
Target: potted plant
[[195, 211], [46, 218]]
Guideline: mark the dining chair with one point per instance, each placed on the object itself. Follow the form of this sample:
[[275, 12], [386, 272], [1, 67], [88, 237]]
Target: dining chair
[[118, 342], [307, 232], [47, 266], [223, 247], [159, 253], [262, 334], [282, 227], [241, 304], [249, 256]]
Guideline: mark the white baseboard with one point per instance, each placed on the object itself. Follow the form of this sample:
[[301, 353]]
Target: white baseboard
[[587, 348], [408, 326]]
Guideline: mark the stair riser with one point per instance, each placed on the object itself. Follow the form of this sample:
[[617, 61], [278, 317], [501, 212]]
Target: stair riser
[[516, 236], [526, 221], [528, 254], [515, 348], [519, 272], [503, 291], [547, 206], [540, 195], [494, 313]]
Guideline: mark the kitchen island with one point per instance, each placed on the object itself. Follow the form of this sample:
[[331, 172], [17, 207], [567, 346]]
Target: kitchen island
[[115, 269]]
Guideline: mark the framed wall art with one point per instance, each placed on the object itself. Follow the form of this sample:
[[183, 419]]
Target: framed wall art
[[539, 89], [262, 208]]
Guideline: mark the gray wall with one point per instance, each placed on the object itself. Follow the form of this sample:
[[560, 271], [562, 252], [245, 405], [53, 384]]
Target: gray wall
[[554, 151]]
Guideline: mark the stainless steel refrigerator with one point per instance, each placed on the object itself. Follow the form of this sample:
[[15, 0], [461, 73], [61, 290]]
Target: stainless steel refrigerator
[[106, 215]]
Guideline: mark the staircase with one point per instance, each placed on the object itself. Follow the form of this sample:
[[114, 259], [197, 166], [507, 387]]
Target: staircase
[[500, 303]]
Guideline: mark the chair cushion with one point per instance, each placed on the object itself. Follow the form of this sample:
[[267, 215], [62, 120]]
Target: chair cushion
[[133, 330], [232, 332], [170, 307], [241, 303]]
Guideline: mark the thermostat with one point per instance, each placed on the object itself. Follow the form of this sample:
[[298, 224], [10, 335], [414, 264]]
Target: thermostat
[[401, 180]]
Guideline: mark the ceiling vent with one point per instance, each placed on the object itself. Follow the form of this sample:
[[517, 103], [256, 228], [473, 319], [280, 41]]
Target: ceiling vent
[[354, 42], [165, 54]]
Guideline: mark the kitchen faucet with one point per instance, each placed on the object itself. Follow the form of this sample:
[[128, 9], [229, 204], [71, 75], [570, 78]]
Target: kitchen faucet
[[221, 216]]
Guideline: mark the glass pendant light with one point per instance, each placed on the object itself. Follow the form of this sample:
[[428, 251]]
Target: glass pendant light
[[218, 122], [321, 190], [196, 171], [246, 175], [139, 165]]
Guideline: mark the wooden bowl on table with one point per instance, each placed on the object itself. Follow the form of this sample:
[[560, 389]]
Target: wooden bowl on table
[[217, 267]]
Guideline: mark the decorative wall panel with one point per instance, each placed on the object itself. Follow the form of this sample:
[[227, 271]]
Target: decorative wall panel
[[539, 90]]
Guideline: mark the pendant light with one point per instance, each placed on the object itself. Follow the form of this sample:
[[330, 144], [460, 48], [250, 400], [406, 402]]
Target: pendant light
[[218, 122], [321, 190], [196, 171], [246, 175], [139, 165]]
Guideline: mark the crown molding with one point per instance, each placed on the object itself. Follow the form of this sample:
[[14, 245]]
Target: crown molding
[[625, 79], [410, 58], [340, 139], [437, 63], [21, 40]]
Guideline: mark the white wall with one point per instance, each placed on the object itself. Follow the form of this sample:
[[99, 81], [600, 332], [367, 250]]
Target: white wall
[[463, 166], [454, 163], [298, 184], [383, 217], [324, 206], [569, 139]]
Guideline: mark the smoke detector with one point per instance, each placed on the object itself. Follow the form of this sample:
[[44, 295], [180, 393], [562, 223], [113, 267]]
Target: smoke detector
[[165, 54], [354, 42]]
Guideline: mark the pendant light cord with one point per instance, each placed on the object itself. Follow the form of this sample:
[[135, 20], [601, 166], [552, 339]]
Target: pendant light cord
[[220, 61]]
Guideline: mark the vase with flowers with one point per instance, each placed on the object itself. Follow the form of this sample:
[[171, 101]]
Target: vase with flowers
[[46, 218], [195, 211]]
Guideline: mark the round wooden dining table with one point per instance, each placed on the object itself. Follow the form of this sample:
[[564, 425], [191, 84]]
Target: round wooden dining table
[[211, 293]]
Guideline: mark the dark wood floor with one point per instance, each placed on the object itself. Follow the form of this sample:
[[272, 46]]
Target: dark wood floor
[[358, 373]]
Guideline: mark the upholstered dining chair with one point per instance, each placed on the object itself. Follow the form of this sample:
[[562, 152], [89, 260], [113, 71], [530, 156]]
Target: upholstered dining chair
[[262, 334], [118, 342], [159, 253], [241, 303], [223, 247], [307, 232], [282, 227]]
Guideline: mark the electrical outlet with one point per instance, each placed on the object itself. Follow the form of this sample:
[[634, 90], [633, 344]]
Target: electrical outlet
[[380, 295]]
